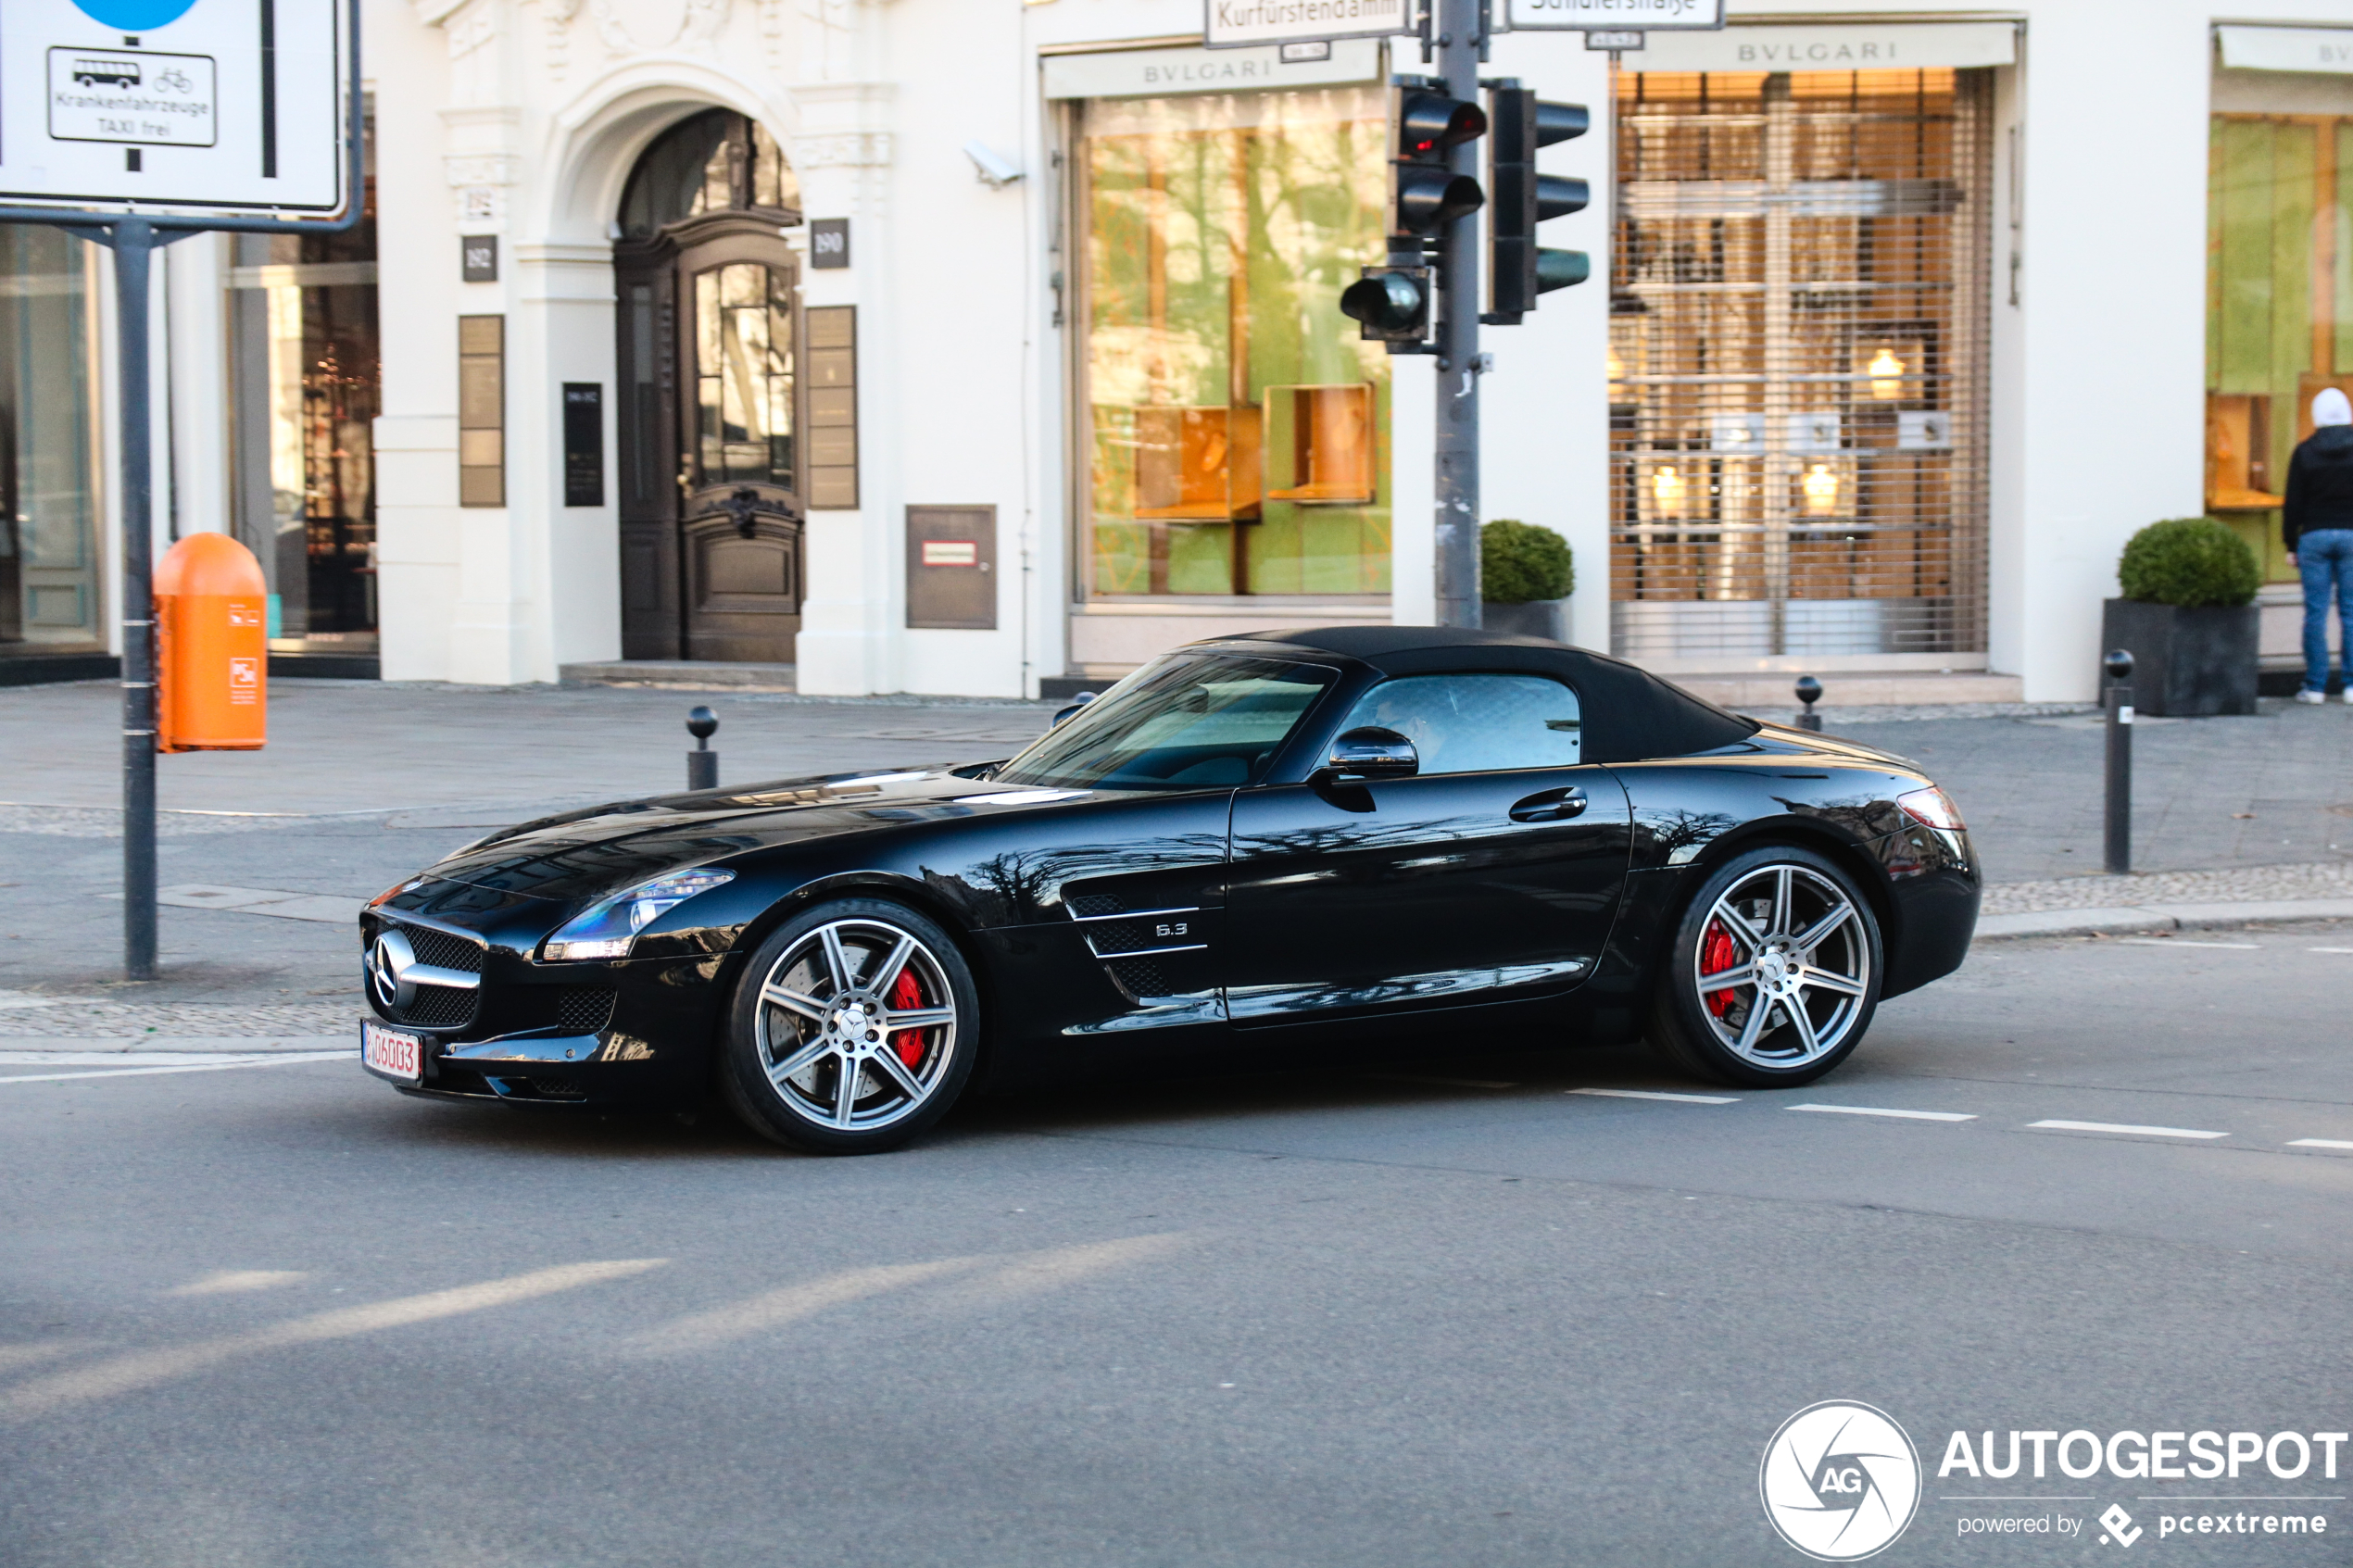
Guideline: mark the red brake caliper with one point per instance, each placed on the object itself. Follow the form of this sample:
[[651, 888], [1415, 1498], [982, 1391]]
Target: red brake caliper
[[906, 994], [1718, 954]]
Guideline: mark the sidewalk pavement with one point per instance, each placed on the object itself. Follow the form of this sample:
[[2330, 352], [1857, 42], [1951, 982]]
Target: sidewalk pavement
[[264, 854]]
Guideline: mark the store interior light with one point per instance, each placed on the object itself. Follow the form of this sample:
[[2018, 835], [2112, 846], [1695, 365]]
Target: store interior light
[[1669, 488], [1616, 365], [1887, 375], [1821, 485]]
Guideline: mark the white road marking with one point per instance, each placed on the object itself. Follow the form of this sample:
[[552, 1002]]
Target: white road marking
[[224, 1282], [2178, 942], [1881, 1111], [2329, 949], [2122, 1127], [11, 1058], [145, 1368], [280, 1060], [1661, 1094], [2318, 1143]]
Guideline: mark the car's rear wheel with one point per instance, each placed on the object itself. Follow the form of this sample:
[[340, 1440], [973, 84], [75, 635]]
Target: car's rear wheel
[[1773, 974], [852, 1030]]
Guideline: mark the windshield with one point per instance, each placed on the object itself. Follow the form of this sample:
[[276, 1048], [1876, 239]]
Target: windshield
[[1187, 721]]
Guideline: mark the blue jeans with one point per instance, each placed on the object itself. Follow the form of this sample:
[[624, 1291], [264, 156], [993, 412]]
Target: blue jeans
[[2325, 559]]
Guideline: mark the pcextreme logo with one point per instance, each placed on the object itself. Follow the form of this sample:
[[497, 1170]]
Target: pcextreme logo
[[1840, 1481]]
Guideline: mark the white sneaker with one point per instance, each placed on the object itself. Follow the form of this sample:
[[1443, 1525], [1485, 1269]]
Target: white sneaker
[[2348, 693], [2303, 695]]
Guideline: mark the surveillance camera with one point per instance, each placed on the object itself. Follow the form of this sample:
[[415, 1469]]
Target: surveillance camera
[[995, 172]]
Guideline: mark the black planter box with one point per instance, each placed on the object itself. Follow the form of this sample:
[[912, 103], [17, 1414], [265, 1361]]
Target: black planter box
[[2186, 663]]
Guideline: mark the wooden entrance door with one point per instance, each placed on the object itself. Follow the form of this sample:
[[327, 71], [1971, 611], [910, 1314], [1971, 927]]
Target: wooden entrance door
[[711, 505]]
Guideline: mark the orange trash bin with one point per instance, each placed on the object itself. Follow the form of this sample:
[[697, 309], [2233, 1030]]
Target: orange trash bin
[[212, 648]]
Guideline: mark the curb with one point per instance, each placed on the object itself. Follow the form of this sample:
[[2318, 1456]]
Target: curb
[[2130, 919]]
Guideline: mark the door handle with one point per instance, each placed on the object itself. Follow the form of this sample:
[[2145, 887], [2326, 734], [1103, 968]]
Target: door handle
[[1551, 806]]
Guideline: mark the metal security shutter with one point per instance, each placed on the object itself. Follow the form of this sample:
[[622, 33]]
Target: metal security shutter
[[1798, 364]]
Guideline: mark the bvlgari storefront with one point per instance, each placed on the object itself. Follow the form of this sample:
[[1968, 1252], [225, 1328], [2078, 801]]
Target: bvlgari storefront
[[1232, 434]]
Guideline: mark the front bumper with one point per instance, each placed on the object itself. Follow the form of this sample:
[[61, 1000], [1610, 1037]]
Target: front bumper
[[637, 1032]]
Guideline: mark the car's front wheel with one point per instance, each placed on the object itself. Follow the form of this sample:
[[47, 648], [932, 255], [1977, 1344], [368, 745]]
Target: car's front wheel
[[852, 1030], [1773, 974]]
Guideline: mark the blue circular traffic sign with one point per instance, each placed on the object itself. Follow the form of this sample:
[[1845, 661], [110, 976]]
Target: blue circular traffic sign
[[134, 16]]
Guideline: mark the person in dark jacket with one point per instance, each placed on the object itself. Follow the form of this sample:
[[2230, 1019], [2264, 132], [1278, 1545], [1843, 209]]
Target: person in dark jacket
[[2318, 525]]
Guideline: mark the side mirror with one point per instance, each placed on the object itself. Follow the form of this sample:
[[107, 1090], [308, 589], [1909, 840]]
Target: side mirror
[[1084, 698], [1372, 753]]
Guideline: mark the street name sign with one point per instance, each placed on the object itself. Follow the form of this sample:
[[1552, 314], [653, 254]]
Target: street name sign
[[1601, 16], [1245, 24], [161, 105]]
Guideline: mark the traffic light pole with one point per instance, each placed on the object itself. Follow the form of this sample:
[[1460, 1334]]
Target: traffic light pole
[[1459, 366]]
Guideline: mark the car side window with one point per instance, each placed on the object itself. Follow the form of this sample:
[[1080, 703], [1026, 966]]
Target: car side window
[[1476, 723]]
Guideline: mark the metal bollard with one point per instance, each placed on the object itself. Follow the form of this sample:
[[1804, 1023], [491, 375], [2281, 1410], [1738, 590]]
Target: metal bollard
[[1809, 692], [2118, 700], [702, 763]]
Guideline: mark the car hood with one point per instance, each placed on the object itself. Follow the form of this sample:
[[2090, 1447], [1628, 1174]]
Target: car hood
[[1835, 747], [601, 850]]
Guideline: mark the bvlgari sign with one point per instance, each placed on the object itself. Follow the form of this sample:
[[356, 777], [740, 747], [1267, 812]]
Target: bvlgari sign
[[2325, 49], [1832, 46], [1240, 24]]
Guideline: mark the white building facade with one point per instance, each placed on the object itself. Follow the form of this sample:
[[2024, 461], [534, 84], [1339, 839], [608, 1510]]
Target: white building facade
[[962, 346]]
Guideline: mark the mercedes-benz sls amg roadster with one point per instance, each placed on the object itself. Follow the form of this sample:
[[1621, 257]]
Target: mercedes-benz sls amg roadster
[[1358, 840]]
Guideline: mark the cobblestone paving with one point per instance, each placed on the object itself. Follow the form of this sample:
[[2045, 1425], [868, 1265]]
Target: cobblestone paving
[[115, 1020], [2328, 880]]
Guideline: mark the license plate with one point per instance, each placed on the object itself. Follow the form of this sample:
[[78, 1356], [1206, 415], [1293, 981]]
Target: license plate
[[391, 1053]]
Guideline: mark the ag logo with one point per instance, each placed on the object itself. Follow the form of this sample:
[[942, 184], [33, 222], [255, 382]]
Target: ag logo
[[1840, 1481]]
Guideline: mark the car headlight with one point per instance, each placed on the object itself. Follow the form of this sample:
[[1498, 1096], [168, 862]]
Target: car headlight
[[605, 929]]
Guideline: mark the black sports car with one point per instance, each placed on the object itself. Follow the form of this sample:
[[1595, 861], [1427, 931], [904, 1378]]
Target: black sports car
[[1325, 839]]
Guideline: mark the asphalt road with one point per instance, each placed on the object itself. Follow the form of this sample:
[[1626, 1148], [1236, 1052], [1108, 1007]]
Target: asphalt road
[[1443, 1313]]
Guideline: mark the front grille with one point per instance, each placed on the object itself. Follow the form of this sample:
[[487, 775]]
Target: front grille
[[438, 1006], [584, 1010], [443, 950], [557, 1088]]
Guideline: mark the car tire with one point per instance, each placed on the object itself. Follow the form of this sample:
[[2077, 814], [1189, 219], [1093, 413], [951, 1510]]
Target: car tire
[[820, 1055], [1773, 973]]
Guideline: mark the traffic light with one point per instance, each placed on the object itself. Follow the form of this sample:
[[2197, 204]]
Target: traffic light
[[1424, 194], [1394, 302], [1519, 198]]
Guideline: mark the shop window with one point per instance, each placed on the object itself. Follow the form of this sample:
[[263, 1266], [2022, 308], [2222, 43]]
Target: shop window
[[2279, 316], [1797, 364], [49, 553], [306, 382], [1235, 423]]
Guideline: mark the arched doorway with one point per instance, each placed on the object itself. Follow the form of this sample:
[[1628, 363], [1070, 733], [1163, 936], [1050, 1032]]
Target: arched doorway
[[709, 408]]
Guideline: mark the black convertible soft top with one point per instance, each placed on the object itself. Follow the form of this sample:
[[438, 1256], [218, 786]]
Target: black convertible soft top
[[1628, 713]]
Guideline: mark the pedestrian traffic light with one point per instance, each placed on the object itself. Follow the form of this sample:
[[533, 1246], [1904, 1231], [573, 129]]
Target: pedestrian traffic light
[[1392, 302], [1425, 129], [1519, 198]]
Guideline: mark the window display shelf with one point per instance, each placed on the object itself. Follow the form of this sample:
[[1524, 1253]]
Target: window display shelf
[[1198, 465]]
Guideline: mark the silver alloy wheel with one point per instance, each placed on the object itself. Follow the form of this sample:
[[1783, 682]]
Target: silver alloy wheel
[[856, 1025], [1783, 966]]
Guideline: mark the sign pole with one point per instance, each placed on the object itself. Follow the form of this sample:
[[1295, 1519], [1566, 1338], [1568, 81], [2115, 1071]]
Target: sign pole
[[134, 236], [1459, 361], [134, 248]]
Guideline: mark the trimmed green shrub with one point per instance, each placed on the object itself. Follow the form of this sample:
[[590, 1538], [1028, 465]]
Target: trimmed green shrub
[[1520, 563], [2189, 561]]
